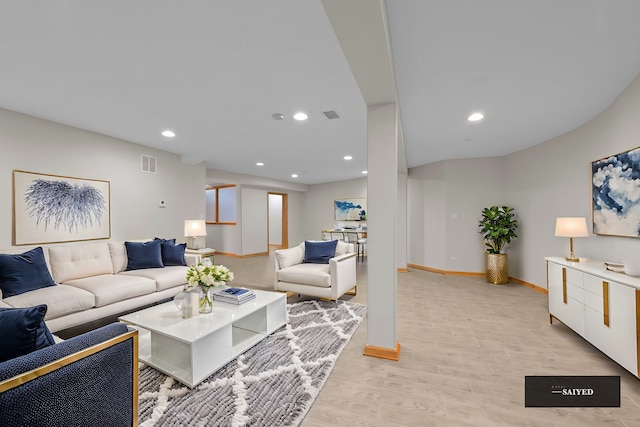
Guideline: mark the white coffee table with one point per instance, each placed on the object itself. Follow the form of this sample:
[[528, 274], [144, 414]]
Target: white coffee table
[[190, 350]]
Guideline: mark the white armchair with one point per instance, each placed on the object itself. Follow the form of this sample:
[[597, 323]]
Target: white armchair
[[329, 281]]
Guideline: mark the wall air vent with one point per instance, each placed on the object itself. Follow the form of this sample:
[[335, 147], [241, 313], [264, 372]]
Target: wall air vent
[[148, 164], [331, 115]]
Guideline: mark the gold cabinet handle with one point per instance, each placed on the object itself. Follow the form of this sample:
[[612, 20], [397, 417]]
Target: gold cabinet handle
[[605, 302], [564, 285]]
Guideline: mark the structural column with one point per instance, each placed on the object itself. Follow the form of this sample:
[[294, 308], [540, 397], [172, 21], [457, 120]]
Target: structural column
[[382, 189], [401, 221]]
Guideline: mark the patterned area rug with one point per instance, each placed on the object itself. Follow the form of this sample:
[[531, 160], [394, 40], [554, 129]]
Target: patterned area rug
[[272, 384]]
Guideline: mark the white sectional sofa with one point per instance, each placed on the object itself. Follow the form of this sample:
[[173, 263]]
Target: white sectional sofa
[[92, 282]]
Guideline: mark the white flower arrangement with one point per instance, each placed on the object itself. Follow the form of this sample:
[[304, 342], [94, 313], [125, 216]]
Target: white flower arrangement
[[207, 276]]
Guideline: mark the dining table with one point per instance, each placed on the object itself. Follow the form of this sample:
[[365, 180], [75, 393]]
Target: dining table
[[350, 235]]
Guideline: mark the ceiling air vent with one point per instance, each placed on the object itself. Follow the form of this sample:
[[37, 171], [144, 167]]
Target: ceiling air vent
[[331, 115], [148, 164]]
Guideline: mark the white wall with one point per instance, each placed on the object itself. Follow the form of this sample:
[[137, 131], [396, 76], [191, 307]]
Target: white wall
[[229, 238], [401, 222], [255, 238], [318, 206], [554, 179], [310, 210], [42, 146], [224, 238], [445, 202], [546, 181]]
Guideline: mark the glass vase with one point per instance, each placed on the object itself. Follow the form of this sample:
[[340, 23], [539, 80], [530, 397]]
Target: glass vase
[[187, 302], [206, 299]]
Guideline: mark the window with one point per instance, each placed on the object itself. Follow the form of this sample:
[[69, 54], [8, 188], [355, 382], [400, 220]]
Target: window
[[221, 204]]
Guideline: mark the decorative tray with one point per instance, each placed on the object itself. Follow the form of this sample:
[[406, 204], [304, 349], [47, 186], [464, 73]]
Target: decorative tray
[[614, 266]]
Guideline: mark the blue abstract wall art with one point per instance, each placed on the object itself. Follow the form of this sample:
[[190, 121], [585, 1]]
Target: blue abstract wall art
[[615, 190], [50, 208], [351, 209], [75, 206]]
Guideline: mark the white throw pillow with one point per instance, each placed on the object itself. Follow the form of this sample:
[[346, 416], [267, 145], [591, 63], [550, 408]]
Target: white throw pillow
[[342, 247], [291, 256]]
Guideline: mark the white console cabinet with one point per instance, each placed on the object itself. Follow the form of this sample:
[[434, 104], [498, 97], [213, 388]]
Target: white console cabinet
[[601, 306]]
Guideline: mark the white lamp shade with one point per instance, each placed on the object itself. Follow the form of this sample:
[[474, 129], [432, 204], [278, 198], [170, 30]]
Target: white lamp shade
[[571, 227], [195, 228]]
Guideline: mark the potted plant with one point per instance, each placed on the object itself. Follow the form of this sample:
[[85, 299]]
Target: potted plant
[[498, 227]]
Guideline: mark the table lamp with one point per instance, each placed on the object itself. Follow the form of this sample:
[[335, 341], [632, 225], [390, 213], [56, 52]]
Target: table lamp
[[571, 227], [194, 228]]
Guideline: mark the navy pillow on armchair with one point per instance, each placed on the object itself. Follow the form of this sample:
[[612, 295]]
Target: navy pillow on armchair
[[319, 252], [24, 272], [23, 331]]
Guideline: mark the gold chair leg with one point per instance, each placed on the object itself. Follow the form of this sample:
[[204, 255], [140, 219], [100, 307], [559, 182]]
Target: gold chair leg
[[289, 293], [352, 291]]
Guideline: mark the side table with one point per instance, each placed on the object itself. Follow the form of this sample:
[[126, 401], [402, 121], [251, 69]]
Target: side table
[[204, 253]]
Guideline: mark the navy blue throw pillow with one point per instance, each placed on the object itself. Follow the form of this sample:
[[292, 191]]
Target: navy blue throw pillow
[[24, 272], [173, 254], [144, 255], [23, 331], [172, 241], [319, 252]]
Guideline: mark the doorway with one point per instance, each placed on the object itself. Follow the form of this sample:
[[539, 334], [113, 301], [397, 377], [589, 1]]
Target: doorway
[[278, 220]]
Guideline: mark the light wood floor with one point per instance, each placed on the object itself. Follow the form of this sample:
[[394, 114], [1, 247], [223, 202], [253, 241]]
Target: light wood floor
[[466, 347]]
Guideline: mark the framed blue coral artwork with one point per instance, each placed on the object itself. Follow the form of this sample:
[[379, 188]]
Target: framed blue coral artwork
[[51, 209], [351, 209], [615, 190]]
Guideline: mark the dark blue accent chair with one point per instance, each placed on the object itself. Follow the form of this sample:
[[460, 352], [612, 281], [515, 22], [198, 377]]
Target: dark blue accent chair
[[93, 382]]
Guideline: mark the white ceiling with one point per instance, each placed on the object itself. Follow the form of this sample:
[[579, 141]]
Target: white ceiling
[[536, 69], [215, 72]]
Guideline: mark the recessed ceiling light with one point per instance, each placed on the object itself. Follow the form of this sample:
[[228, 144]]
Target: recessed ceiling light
[[277, 116], [365, 172], [168, 133], [259, 164], [475, 117], [348, 157], [300, 116], [294, 175]]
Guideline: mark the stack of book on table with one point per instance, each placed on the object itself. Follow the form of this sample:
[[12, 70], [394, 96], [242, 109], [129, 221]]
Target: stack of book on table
[[234, 295]]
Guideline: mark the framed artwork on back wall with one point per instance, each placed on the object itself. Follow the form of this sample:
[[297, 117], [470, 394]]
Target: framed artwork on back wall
[[351, 209], [615, 193], [51, 208]]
